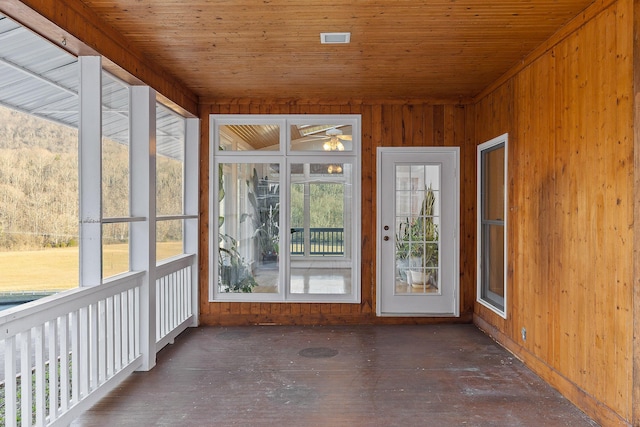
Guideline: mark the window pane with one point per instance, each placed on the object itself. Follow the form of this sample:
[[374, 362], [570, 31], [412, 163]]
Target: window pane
[[115, 148], [492, 254], [297, 219], [320, 200], [327, 219], [327, 138], [170, 145], [494, 183], [249, 230], [38, 204], [169, 239], [493, 265], [115, 249], [249, 137]]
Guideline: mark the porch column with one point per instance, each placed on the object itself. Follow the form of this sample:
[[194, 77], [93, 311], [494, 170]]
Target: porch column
[[90, 170], [191, 194], [143, 205]]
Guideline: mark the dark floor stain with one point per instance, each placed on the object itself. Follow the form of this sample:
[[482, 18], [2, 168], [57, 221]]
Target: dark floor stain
[[318, 352]]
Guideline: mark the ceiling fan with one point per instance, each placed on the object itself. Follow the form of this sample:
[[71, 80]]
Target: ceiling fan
[[334, 141]]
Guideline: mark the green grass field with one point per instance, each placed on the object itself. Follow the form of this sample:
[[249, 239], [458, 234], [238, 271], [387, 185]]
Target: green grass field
[[57, 269]]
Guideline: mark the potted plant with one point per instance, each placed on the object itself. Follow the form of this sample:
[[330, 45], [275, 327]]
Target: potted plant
[[265, 201], [234, 274], [417, 244]]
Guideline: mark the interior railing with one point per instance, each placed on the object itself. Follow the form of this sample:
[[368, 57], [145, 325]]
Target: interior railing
[[323, 241]]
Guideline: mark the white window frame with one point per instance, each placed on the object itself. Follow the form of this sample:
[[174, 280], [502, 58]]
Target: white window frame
[[502, 139], [285, 156]]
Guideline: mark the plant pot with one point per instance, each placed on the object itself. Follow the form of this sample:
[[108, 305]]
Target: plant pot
[[418, 279]]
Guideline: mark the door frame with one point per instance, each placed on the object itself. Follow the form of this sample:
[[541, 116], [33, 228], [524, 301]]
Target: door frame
[[456, 227]]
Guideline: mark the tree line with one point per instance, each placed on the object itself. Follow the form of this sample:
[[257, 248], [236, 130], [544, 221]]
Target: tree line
[[39, 185]]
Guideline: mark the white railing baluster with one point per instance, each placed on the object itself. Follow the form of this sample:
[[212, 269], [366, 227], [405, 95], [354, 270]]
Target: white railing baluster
[[173, 306], [75, 356], [93, 350], [117, 327], [159, 304], [26, 388], [64, 363], [10, 391], [131, 333], [101, 354], [110, 337], [53, 369], [84, 373], [40, 383], [135, 309]]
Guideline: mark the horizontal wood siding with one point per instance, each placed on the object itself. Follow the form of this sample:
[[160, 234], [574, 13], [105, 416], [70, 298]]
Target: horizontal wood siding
[[569, 115], [390, 124]]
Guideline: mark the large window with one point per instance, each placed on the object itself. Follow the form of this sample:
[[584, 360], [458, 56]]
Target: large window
[[492, 225], [284, 192]]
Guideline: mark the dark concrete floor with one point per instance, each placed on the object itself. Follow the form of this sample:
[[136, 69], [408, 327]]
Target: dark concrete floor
[[441, 375]]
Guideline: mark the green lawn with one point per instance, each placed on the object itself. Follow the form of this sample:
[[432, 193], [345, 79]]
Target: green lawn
[[57, 269]]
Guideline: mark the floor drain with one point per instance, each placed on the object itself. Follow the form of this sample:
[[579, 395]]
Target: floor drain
[[318, 352]]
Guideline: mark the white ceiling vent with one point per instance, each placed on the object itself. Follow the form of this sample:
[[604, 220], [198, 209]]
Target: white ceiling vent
[[335, 38]]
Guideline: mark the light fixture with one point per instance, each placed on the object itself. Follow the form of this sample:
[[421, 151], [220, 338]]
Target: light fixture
[[334, 169], [334, 143], [335, 38]]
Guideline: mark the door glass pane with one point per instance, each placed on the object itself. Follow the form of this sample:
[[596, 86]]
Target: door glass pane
[[325, 137], [249, 137], [417, 228], [320, 199], [249, 230]]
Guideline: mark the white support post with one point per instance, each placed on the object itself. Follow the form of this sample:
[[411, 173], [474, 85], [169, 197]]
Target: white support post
[[191, 193], [90, 141], [143, 204]]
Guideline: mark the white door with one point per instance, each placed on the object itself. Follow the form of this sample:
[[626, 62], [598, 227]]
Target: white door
[[418, 222]]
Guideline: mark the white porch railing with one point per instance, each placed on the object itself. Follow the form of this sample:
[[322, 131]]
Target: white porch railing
[[174, 298], [65, 352]]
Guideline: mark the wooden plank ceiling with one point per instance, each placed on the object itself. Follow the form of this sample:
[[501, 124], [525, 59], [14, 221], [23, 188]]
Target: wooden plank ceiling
[[435, 49]]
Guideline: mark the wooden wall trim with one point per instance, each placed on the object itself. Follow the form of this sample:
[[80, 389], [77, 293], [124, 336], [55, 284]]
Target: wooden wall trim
[[281, 314], [327, 101], [588, 14], [635, 391], [591, 406], [86, 34]]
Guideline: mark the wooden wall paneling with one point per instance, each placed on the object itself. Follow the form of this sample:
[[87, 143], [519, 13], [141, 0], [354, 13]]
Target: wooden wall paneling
[[417, 125], [634, 207], [532, 152], [625, 125], [570, 189], [438, 126], [370, 139], [455, 117], [468, 213]]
